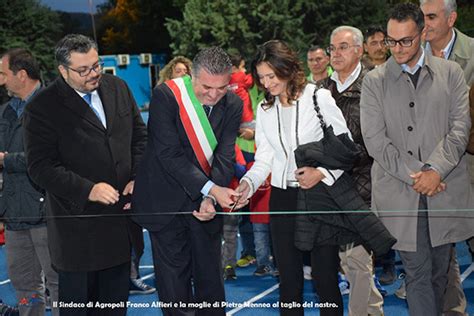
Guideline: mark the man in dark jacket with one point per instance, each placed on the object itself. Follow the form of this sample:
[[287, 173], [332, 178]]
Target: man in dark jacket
[[22, 201], [84, 137], [346, 49], [185, 170]]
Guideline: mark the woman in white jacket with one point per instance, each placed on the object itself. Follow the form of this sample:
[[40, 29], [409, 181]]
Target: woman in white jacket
[[285, 120]]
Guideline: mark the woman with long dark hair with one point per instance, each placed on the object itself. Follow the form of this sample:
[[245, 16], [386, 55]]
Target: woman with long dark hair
[[285, 120]]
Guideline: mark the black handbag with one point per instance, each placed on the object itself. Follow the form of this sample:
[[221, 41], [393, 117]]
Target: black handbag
[[332, 152]]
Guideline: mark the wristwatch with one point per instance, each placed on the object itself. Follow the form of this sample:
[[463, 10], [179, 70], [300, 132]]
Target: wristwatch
[[427, 167]]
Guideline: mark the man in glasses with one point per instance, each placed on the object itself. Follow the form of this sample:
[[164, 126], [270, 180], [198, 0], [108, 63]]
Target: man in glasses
[[84, 137], [345, 83], [446, 41], [22, 201], [415, 123]]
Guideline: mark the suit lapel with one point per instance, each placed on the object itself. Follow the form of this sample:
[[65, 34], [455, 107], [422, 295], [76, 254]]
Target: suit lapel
[[109, 101], [217, 114], [76, 104]]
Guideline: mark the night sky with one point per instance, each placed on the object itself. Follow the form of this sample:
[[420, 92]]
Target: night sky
[[72, 5]]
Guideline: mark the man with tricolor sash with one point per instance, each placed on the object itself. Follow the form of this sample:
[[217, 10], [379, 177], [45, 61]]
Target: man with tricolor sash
[[183, 180]]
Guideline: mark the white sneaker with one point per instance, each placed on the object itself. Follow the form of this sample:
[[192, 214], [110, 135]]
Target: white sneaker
[[307, 273]]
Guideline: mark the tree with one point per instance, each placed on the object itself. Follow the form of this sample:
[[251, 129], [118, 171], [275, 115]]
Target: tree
[[465, 22], [235, 24], [135, 26], [323, 16], [28, 24]]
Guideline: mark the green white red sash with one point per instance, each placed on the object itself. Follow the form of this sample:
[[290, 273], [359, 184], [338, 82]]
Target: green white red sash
[[195, 121]]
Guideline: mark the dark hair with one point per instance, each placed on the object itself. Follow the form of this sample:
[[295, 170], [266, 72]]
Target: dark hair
[[314, 48], [372, 30], [214, 59], [22, 59], [403, 12], [286, 65], [235, 58], [72, 43]]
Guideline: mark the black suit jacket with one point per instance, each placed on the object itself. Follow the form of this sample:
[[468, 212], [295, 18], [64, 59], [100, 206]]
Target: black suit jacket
[[68, 151], [169, 178]]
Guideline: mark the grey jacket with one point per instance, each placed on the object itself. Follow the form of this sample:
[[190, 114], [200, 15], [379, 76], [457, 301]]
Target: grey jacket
[[20, 197], [463, 54], [404, 128]]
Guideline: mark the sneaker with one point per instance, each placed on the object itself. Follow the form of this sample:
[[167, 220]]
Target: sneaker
[[401, 293], [137, 286], [263, 271], [6, 310], [229, 273], [245, 261], [344, 285], [379, 287], [47, 300], [388, 275], [276, 273], [307, 273]]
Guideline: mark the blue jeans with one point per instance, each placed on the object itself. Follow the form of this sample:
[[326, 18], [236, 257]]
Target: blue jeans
[[261, 234]]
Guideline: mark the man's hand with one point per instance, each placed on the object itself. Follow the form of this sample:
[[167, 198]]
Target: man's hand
[[247, 133], [128, 190], [104, 193], [441, 187], [224, 196], [206, 210], [308, 177], [427, 182]]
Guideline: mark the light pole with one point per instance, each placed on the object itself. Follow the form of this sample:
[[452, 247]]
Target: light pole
[[93, 21]]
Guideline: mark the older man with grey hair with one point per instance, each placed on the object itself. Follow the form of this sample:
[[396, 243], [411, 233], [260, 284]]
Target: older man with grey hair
[[345, 83], [443, 39]]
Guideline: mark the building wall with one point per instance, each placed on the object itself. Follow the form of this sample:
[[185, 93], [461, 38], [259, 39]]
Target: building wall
[[139, 76]]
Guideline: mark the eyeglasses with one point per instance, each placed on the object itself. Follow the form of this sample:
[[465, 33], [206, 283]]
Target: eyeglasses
[[85, 72], [342, 48], [404, 42]]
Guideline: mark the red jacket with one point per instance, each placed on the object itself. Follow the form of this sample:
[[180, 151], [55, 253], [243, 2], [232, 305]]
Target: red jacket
[[240, 83]]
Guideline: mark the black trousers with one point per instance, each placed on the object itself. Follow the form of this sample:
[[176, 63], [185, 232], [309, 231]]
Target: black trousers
[[108, 286], [324, 260], [187, 261], [137, 242]]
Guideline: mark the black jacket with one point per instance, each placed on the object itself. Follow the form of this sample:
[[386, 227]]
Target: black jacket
[[336, 228], [349, 103], [68, 150], [170, 178], [21, 201]]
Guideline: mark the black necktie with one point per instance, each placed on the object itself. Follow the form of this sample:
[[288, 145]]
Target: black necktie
[[207, 109]]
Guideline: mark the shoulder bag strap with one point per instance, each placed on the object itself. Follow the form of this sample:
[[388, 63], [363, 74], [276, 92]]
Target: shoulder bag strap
[[318, 110]]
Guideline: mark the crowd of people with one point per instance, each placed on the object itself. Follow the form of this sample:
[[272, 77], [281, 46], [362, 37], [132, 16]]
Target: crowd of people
[[369, 155]]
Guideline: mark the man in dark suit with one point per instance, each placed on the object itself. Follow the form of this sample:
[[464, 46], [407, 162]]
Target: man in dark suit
[[186, 167], [84, 137]]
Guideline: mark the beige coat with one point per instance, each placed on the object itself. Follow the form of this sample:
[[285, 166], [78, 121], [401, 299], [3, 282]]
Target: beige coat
[[463, 54], [403, 129]]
